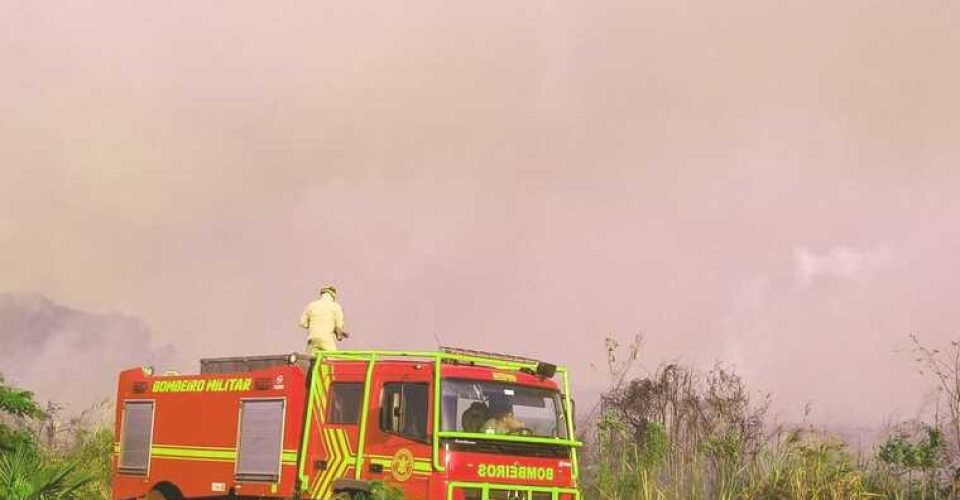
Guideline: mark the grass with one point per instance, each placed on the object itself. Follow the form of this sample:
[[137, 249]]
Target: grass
[[797, 465], [624, 463], [682, 434]]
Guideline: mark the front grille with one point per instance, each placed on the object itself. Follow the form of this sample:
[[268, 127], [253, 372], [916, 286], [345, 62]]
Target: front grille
[[474, 491], [477, 494]]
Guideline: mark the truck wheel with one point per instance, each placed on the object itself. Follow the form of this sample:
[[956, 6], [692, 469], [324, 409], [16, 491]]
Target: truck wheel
[[164, 492], [350, 495], [350, 489]]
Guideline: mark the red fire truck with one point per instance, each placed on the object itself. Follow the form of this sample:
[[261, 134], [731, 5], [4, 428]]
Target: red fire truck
[[343, 423]]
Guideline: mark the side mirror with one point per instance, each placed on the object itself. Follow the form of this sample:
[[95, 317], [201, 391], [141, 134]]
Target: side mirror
[[395, 412]]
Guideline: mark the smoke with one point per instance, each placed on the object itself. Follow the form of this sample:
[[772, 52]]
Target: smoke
[[68, 356], [839, 262], [524, 177]]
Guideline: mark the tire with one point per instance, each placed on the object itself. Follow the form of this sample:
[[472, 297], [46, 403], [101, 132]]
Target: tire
[[164, 492]]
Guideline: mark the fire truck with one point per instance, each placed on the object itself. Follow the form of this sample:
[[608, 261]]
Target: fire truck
[[345, 423]]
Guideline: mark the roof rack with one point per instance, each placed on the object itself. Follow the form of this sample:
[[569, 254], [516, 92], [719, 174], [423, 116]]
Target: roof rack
[[235, 364], [485, 354]]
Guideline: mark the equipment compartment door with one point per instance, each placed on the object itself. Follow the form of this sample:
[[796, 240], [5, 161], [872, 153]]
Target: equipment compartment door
[[260, 440]]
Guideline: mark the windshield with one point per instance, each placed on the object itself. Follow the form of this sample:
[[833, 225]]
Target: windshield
[[486, 407]]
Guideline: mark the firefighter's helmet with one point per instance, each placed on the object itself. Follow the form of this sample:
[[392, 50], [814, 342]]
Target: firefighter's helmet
[[500, 404], [473, 419]]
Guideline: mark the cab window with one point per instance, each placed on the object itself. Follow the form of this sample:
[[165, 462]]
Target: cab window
[[345, 402], [404, 410]]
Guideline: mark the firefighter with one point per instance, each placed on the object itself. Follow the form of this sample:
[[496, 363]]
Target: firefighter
[[475, 416], [501, 419], [324, 319]]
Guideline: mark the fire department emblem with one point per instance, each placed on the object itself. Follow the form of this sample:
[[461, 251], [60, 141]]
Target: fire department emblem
[[402, 465]]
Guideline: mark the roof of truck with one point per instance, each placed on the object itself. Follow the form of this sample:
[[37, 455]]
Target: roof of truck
[[457, 363]]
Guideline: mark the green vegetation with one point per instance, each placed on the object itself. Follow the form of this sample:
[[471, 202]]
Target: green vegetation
[[16, 404], [25, 474], [682, 434], [796, 465], [71, 466]]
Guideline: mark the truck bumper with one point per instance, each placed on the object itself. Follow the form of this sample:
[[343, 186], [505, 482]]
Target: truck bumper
[[460, 490]]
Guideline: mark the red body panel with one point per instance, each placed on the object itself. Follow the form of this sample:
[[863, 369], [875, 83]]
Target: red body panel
[[193, 426]]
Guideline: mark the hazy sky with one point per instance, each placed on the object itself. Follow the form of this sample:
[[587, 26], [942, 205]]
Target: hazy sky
[[769, 184]]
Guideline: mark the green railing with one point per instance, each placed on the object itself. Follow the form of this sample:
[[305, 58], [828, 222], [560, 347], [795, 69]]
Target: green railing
[[509, 438], [437, 358]]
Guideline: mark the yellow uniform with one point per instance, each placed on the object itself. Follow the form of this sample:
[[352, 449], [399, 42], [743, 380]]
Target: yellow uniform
[[323, 318], [502, 425]]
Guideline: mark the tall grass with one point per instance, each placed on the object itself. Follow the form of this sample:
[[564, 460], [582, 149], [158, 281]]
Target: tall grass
[[679, 434], [801, 465]]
